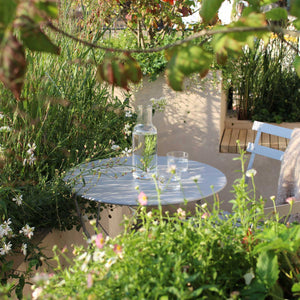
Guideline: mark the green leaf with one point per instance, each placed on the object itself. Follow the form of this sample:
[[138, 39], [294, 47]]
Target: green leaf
[[34, 39], [297, 65], [267, 268], [50, 7], [277, 14], [185, 61], [175, 78], [7, 12], [266, 2], [295, 8], [296, 23], [296, 287], [209, 9]]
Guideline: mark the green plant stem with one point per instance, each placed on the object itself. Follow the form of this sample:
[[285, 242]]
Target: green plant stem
[[290, 265]]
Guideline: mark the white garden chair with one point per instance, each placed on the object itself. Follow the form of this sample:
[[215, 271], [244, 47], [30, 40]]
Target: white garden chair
[[257, 149]]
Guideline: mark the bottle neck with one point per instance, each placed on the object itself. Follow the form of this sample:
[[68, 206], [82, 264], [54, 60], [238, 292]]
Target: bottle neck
[[144, 115]]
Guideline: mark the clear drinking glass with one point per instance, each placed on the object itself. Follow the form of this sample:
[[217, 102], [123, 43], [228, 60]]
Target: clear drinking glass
[[178, 160]]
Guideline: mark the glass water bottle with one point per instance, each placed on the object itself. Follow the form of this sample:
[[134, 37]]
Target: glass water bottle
[[144, 144]]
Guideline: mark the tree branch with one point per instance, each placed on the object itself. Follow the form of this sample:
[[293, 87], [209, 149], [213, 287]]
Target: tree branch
[[204, 32]]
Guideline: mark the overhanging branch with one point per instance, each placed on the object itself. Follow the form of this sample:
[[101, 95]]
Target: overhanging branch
[[204, 32]]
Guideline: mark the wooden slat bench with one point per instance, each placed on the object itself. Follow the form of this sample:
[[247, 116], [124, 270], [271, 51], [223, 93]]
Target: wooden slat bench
[[231, 135]]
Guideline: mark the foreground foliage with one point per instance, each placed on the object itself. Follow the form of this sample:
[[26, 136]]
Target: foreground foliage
[[209, 255]]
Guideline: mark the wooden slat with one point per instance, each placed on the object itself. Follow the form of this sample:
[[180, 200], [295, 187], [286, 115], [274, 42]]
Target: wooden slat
[[243, 138], [274, 141], [225, 140], [265, 139], [231, 135], [232, 147], [282, 143], [251, 136]]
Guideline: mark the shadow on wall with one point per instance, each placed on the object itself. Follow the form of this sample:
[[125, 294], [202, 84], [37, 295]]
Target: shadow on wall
[[191, 119]]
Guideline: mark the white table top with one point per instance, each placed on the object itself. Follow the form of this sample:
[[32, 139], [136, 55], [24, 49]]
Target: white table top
[[110, 181]]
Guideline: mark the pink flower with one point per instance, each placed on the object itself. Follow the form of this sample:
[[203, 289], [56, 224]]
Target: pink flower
[[290, 200], [89, 280], [117, 249], [142, 199], [205, 215], [100, 241]]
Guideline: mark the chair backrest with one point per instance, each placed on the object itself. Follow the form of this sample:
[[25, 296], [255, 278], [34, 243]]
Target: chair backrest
[[255, 148]]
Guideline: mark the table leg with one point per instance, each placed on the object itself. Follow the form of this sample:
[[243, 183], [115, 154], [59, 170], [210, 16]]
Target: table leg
[[98, 219], [80, 218]]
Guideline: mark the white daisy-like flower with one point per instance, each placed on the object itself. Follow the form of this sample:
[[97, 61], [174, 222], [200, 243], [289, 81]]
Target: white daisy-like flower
[[18, 199], [27, 231], [172, 169], [128, 114], [110, 262], [126, 151], [196, 178], [98, 256], [251, 173]]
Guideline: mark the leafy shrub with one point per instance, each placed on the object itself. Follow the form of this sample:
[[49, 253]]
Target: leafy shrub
[[64, 117]]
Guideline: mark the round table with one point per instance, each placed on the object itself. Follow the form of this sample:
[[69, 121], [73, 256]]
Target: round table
[[110, 181]]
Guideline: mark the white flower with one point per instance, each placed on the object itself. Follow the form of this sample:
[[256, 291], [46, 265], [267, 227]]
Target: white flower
[[30, 161], [115, 147], [128, 114], [1, 115], [37, 293], [5, 129], [98, 256], [110, 262], [127, 129], [204, 205], [5, 229], [18, 199], [181, 213], [196, 178], [24, 249], [6, 248], [127, 151], [251, 173], [31, 149], [27, 231], [172, 169]]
